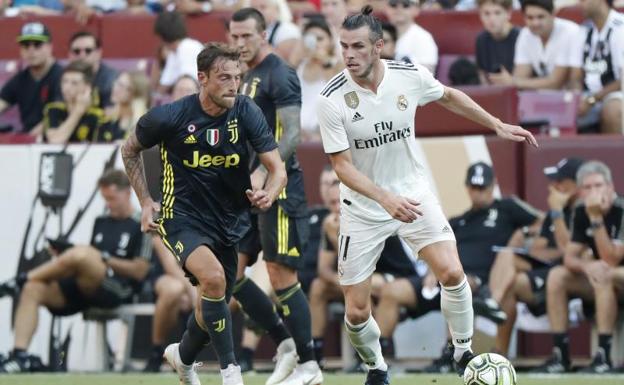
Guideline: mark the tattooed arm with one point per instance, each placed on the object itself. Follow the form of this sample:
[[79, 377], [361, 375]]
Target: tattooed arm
[[131, 154]]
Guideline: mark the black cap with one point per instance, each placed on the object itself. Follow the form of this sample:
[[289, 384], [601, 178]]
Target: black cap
[[34, 31], [565, 169], [480, 174]]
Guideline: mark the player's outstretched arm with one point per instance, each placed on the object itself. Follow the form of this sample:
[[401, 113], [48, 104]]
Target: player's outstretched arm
[[276, 180], [131, 155], [401, 208], [458, 102]]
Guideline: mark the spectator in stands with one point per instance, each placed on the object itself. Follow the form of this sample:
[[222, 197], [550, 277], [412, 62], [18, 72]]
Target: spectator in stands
[[390, 36], [320, 63], [37, 84], [184, 86], [593, 260], [36, 7], [182, 56], [105, 274], [282, 34], [489, 222], [414, 43], [74, 118], [174, 296], [85, 46], [522, 277], [393, 262], [334, 12], [544, 50], [138, 7], [495, 46], [597, 67], [131, 99]]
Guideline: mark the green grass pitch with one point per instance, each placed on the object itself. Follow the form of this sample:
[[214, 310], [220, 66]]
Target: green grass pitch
[[330, 379]]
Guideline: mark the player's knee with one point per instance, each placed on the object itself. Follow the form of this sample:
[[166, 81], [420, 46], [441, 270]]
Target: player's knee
[[451, 276], [281, 276], [357, 313], [212, 283]]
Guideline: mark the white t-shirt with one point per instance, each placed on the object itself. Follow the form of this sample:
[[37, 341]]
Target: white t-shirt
[[418, 46], [183, 61], [310, 95], [379, 131], [558, 51], [285, 31], [597, 63]]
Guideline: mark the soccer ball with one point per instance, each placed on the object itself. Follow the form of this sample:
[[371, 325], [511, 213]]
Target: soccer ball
[[489, 369]]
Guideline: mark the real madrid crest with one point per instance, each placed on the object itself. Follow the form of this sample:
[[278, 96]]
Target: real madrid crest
[[352, 99], [402, 103]]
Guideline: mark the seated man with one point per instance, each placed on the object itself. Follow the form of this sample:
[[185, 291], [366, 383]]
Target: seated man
[[394, 262], [489, 222], [174, 295], [74, 119], [597, 226], [515, 277], [544, 49], [105, 274]]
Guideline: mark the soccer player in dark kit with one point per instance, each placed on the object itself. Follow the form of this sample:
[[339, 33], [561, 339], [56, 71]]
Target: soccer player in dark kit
[[282, 231], [206, 196]]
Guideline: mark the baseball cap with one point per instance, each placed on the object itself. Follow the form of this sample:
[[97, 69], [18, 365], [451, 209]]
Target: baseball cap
[[34, 31], [480, 174], [565, 169]]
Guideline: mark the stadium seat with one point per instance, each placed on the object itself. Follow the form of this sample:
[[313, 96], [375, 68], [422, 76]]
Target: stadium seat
[[552, 108], [133, 64], [444, 65], [8, 68]]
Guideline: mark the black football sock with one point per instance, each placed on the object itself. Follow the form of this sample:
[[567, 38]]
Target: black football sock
[[604, 342], [562, 342], [260, 309], [193, 341], [296, 315], [218, 321], [318, 349]]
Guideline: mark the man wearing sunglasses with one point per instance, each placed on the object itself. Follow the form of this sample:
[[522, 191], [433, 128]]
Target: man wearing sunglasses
[[38, 83], [85, 46], [414, 43]]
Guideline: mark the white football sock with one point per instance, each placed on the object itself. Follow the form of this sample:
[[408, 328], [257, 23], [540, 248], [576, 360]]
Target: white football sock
[[456, 304], [365, 340]]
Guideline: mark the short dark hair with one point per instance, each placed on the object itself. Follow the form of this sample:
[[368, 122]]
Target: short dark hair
[[170, 26], [212, 52], [364, 18], [506, 4], [610, 3], [80, 34], [546, 5], [114, 177], [250, 13], [391, 29], [317, 22], [80, 67]]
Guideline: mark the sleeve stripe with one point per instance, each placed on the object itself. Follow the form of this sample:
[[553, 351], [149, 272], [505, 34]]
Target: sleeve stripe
[[331, 91], [333, 82]]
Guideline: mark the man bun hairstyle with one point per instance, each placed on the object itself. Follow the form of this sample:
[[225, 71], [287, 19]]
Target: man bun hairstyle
[[364, 18]]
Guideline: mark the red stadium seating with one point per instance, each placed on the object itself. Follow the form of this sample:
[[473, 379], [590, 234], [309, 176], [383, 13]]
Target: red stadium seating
[[444, 65], [557, 109], [135, 64]]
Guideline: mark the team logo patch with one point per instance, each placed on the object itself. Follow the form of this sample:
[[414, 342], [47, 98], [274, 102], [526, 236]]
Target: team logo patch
[[212, 136], [352, 99], [232, 127], [191, 128], [402, 103]]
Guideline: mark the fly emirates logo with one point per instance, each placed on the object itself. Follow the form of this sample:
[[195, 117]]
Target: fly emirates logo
[[385, 133]]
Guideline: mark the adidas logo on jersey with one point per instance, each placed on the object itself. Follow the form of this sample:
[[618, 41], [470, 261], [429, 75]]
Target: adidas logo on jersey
[[190, 139], [356, 117]]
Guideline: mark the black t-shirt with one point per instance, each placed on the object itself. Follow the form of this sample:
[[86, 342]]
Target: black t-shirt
[[493, 54], [103, 85], [613, 220], [477, 231], [273, 84], [87, 129], [32, 95], [548, 228], [122, 238], [307, 272], [205, 161]]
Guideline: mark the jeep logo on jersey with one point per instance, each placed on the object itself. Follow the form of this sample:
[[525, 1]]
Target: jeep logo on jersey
[[206, 160], [212, 136], [402, 103]]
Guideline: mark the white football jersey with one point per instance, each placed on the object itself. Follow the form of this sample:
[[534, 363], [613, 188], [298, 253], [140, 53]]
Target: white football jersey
[[378, 128]]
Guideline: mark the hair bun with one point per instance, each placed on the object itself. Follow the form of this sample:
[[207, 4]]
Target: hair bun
[[367, 9]]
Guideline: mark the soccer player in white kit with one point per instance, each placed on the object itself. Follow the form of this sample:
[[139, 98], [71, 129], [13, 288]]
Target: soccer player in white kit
[[366, 116]]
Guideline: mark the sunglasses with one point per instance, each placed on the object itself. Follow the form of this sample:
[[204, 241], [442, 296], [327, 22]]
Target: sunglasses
[[78, 51], [396, 3], [31, 43]]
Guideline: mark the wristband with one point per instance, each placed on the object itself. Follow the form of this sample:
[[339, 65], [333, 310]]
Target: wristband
[[595, 225], [105, 257], [555, 214]]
